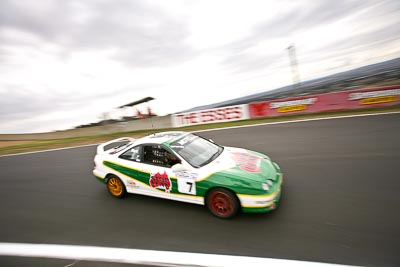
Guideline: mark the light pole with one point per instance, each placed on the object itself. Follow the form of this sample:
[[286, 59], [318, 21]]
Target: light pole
[[293, 63]]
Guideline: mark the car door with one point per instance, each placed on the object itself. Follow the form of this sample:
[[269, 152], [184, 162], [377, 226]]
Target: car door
[[152, 174], [157, 162], [160, 160], [132, 160]]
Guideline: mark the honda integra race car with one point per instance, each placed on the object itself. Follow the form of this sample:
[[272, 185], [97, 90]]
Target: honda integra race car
[[186, 167]]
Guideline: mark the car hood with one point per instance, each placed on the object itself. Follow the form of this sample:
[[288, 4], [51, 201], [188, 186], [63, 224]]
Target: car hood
[[243, 163]]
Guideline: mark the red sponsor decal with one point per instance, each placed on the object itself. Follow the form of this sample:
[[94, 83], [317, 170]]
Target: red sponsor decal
[[161, 181], [221, 114], [247, 162], [212, 115], [259, 109]]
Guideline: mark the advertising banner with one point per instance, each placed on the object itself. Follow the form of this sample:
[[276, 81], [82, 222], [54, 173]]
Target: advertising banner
[[223, 114], [352, 99], [373, 97]]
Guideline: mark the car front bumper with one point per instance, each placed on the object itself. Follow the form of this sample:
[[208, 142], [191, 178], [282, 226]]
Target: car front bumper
[[261, 203]]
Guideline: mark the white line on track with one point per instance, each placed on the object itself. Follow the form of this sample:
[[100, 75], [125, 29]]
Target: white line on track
[[47, 150], [144, 257], [228, 128]]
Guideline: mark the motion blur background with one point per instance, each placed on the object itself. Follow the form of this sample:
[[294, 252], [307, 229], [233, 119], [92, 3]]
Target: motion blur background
[[76, 73], [67, 64]]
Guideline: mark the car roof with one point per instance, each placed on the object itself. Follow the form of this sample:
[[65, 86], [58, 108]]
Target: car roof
[[162, 137]]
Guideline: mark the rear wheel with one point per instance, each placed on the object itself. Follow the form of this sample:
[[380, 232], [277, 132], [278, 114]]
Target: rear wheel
[[222, 203], [116, 187]]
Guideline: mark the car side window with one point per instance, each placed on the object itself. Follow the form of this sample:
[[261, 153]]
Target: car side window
[[157, 155], [172, 159], [133, 154]]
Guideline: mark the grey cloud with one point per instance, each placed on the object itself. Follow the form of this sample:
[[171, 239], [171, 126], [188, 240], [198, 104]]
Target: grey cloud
[[376, 39], [46, 24], [317, 13], [288, 23], [360, 42], [18, 103], [140, 34], [245, 62], [144, 34]]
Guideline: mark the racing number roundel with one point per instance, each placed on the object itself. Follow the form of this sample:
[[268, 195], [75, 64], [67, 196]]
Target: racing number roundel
[[186, 183]]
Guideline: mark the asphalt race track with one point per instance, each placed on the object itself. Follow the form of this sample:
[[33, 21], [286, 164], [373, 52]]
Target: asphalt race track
[[340, 201]]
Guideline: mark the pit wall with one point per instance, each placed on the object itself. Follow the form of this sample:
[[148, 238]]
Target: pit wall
[[223, 114], [337, 101], [344, 100], [144, 124]]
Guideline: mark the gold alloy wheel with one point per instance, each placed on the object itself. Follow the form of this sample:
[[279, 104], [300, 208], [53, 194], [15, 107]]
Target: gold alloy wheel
[[115, 186]]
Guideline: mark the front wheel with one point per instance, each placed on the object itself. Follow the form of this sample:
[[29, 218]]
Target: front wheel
[[222, 203], [116, 187]]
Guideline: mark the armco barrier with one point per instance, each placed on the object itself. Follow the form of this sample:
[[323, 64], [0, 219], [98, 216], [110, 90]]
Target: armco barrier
[[345, 100], [224, 114]]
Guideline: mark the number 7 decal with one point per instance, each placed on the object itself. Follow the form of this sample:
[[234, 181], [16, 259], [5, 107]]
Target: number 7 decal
[[190, 184], [186, 186]]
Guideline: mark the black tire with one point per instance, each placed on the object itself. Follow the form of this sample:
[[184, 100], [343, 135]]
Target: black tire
[[116, 187], [222, 203]]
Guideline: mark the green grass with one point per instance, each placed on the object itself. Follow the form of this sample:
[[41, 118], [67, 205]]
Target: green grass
[[95, 139]]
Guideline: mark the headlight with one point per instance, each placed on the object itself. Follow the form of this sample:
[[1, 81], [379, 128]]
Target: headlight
[[265, 186]]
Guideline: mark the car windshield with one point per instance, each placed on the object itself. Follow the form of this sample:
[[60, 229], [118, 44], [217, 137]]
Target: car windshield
[[196, 150]]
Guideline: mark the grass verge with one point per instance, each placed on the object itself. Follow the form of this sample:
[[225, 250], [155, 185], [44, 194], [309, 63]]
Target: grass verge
[[69, 142]]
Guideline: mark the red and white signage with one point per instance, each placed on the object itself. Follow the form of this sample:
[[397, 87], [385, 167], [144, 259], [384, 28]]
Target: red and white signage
[[344, 100], [223, 114]]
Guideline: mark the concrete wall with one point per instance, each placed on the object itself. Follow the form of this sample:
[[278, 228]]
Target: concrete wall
[[145, 124]]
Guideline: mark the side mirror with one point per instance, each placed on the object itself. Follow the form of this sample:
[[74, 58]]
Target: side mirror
[[179, 168]]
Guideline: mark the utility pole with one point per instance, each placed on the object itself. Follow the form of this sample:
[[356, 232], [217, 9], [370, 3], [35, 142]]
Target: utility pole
[[295, 68]]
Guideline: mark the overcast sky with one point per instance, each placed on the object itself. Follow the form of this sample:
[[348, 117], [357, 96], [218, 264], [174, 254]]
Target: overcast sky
[[65, 63]]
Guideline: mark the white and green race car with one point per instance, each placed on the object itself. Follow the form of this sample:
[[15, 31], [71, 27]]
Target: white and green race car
[[186, 167]]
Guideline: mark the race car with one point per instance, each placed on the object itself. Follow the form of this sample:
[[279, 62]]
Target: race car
[[186, 167]]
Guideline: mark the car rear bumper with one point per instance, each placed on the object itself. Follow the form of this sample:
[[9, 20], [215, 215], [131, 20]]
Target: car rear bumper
[[99, 175]]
